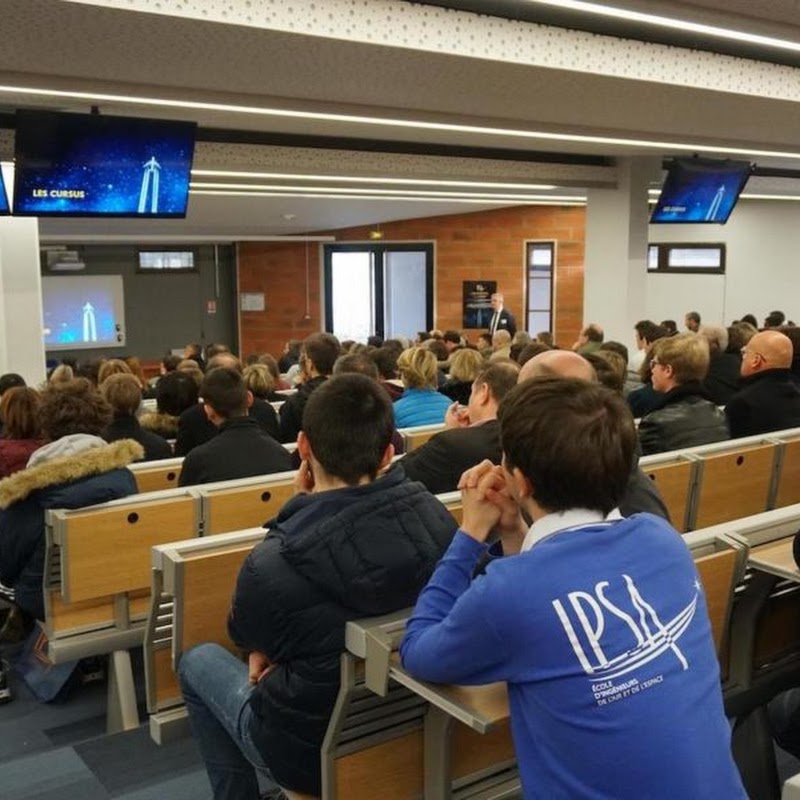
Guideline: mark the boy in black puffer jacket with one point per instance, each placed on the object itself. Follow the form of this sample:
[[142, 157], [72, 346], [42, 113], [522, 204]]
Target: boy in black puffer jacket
[[349, 545]]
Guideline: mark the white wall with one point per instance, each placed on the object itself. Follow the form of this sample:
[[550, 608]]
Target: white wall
[[763, 267]]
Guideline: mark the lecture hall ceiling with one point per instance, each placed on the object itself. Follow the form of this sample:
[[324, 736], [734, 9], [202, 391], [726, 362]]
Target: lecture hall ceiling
[[486, 94]]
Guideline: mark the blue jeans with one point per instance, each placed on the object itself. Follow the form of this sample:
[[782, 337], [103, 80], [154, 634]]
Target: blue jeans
[[216, 689]]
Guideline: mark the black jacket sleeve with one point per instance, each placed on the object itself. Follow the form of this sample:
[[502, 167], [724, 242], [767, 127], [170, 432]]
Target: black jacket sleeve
[[264, 414], [738, 416], [431, 465]]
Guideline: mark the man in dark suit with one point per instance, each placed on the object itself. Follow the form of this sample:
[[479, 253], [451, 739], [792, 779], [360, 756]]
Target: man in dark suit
[[473, 433], [502, 320], [240, 449], [194, 427], [769, 397]]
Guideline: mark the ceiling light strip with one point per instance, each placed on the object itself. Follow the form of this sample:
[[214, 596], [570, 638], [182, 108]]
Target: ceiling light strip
[[353, 119], [413, 199], [347, 191], [684, 25], [223, 173]]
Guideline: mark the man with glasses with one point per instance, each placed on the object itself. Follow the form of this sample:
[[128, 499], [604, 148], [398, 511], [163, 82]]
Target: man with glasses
[[769, 398], [685, 416]]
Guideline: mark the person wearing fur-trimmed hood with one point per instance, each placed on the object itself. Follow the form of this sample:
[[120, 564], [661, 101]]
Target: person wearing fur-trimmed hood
[[75, 469]]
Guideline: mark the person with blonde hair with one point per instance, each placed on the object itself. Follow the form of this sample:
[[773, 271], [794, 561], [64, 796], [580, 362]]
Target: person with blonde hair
[[63, 373], [685, 416], [261, 382], [464, 368], [420, 403]]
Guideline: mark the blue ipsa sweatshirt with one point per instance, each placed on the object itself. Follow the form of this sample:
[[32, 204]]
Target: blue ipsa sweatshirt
[[603, 637]]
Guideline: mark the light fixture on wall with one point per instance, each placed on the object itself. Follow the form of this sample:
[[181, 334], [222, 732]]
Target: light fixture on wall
[[376, 234]]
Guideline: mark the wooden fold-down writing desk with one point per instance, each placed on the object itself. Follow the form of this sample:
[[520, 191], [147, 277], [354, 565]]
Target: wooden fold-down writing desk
[[776, 558]]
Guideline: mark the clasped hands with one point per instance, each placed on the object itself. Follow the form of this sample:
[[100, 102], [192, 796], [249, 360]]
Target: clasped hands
[[488, 504]]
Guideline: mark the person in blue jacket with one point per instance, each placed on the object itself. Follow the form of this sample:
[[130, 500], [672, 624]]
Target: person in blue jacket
[[598, 624], [420, 403]]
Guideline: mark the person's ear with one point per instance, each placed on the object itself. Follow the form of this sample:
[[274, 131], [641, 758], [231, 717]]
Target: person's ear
[[250, 399], [304, 447], [386, 458], [523, 486]]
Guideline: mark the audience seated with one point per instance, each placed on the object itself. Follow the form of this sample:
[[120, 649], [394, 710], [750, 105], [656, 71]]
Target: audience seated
[[75, 469], [531, 350], [290, 355], [472, 434], [645, 332], [350, 544], [485, 344], [175, 393], [9, 380], [261, 383], [19, 413], [692, 322], [501, 345], [241, 449], [112, 366], [608, 696], [769, 398], [590, 339], [124, 395], [609, 368], [465, 365], [644, 399], [641, 494], [190, 367], [194, 352], [194, 426], [385, 359], [685, 416], [317, 357], [420, 404], [722, 379]]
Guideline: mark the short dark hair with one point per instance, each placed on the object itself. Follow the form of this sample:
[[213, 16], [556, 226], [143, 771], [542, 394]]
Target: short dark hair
[[171, 362], [670, 326], [694, 316], [616, 347], [322, 350], [225, 391], [74, 407], [349, 424], [175, 392], [500, 377], [375, 341], [9, 380], [438, 348], [594, 333], [774, 319], [356, 362], [751, 319], [649, 331], [454, 337], [574, 441], [385, 359], [607, 374]]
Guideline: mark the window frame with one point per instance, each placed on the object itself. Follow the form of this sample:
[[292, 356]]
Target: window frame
[[168, 270], [530, 246], [664, 249]]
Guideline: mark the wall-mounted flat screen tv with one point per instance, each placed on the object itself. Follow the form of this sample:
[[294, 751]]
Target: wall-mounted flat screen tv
[[83, 312], [700, 190], [4, 207], [89, 165]]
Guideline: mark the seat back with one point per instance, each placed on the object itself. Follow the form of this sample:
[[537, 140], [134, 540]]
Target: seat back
[[733, 482], [155, 476], [417, 436], [245, 503], [97, 567], [676, 477], [787, 490], [193, 582]]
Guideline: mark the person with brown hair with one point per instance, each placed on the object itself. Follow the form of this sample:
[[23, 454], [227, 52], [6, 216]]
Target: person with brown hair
[[597, 624], [75, 469], [124, 395], [19, 413], [112, 366], [685, 416]]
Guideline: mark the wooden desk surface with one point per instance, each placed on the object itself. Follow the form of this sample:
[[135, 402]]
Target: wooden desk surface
[[776, 558], [479, 707]]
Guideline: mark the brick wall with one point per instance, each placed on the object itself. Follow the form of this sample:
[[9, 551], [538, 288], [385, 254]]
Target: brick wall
[[485, 245]]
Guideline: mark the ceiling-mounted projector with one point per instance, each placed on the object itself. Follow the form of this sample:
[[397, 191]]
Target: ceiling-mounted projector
[[64, 261]]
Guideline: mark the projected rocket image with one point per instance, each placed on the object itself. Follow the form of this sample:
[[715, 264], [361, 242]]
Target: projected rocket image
[[81, 165]]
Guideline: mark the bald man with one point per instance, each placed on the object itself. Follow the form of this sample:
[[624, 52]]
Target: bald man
[[769, 398], [641, 494]]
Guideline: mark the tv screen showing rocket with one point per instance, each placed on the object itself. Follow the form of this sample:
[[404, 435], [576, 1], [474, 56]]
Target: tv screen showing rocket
[[699, 190], [81, 165], [4, 207]]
